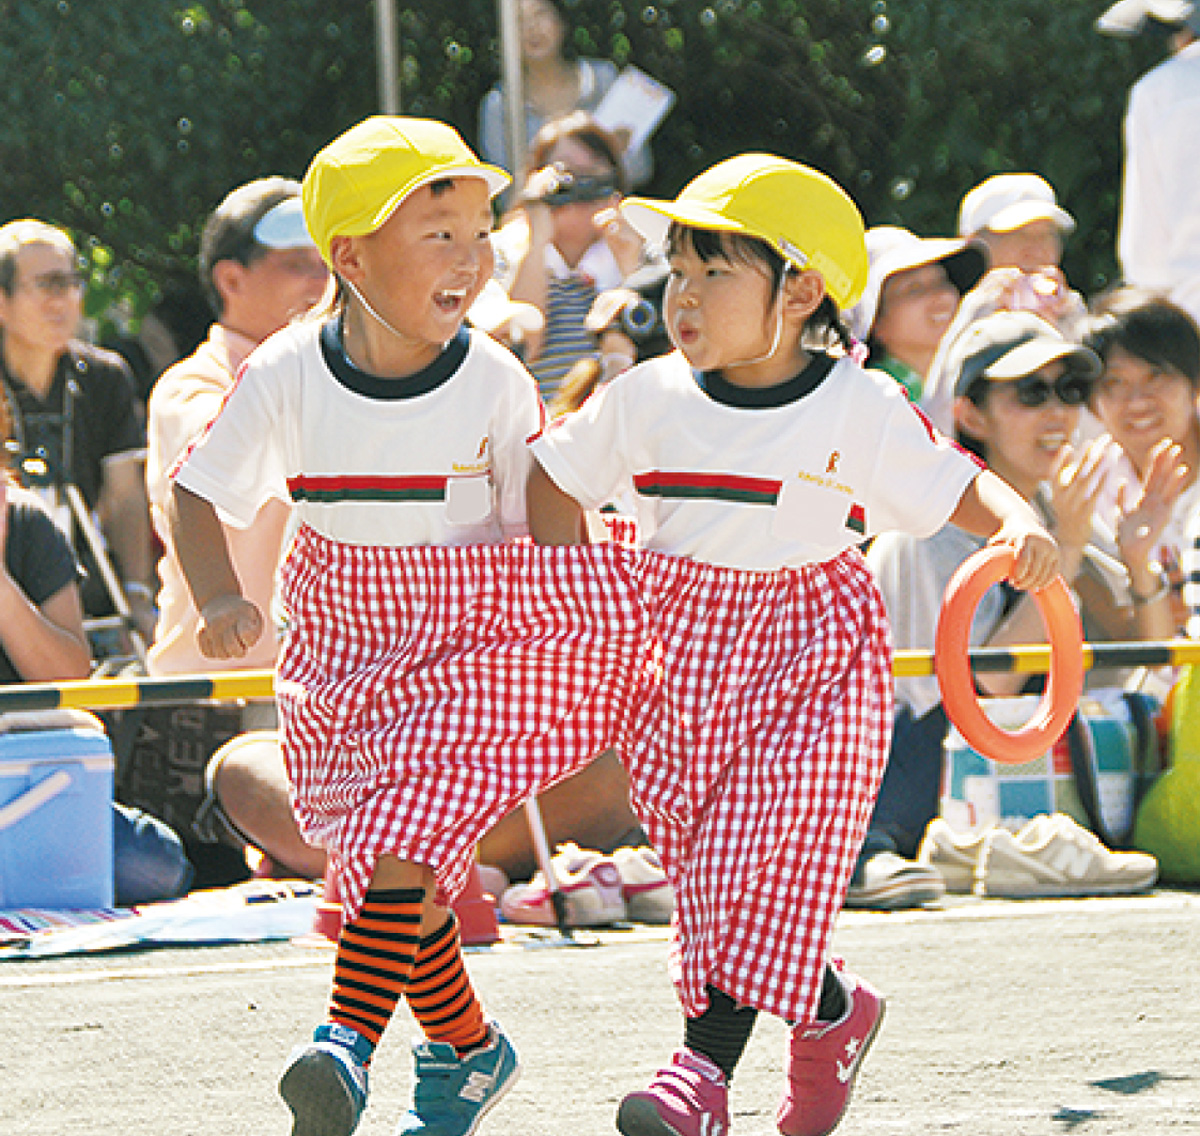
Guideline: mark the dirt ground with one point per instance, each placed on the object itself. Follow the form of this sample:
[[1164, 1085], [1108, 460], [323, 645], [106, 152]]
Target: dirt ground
[[1004, 1019]]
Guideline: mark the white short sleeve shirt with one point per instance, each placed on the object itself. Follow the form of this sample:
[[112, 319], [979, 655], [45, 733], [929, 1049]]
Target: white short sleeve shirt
[[440, 457], [841, 456]]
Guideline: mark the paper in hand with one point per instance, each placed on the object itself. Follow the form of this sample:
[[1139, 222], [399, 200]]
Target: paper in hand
[[636, 103]]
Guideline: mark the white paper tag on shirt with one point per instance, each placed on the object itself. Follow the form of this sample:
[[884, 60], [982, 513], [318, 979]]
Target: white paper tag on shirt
[[811, 512], [468, 499]]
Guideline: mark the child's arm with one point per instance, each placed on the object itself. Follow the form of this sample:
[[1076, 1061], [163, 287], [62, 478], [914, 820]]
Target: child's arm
[[990, 507], [554, 516], [229, 623]]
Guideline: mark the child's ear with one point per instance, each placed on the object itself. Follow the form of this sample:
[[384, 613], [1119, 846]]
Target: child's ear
[[345, 259], [804, 291]]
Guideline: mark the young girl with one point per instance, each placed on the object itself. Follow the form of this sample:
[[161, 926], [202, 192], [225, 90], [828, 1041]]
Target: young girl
[[760, 461], [400, 439]]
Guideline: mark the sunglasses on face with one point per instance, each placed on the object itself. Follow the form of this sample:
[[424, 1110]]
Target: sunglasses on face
[[1070, 390]]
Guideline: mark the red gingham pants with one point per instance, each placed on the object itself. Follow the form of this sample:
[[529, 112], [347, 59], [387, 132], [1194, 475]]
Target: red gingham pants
[[425, 692], [755, 763]]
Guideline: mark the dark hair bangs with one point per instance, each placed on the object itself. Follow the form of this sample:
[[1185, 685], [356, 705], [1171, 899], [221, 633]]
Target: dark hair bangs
[[716, 244], [1150, 327]]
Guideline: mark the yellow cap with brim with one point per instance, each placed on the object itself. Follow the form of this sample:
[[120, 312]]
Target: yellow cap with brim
[[360, 179], [804, 215]]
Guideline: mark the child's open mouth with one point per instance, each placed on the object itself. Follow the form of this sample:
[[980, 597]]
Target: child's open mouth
[[451, 301]]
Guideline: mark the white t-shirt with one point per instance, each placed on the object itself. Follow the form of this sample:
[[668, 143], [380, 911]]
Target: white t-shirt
[[439, 457], [759, 480], [1159, 241]]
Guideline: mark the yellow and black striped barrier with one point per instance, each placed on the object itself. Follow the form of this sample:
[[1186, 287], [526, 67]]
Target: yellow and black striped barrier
[[232, 686], [1035, 659], [113, 693]]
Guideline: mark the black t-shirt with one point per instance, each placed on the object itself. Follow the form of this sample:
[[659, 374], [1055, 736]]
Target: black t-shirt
[[38, 557], [92, 401]]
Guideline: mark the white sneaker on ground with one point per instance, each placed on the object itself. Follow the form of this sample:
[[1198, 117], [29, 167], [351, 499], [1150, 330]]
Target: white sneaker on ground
[[589, 881], [955, 855], [1055, 856], [648, 896], [887, 881]]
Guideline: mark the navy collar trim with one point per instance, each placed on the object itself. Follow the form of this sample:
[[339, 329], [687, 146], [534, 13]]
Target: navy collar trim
[[440, 371], [719, 389]]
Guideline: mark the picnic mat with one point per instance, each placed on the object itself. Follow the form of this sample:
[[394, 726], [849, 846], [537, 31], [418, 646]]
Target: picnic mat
[[249, 912]]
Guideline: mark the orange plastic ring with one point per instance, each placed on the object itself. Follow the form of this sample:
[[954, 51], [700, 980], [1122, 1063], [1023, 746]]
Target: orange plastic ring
[[952, 661]]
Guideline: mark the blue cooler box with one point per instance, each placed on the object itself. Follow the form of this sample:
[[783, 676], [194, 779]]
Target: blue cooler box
[[56, 829]]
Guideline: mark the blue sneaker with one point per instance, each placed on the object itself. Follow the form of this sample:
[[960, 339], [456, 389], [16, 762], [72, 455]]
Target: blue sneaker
[[453, 1094], [325, 1082]]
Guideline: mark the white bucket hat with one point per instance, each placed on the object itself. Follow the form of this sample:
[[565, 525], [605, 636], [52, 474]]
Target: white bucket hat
[[1129, 17]]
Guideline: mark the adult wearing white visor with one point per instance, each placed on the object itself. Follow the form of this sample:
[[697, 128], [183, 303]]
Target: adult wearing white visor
[[1158, 242], [913, 290], [259, 270]]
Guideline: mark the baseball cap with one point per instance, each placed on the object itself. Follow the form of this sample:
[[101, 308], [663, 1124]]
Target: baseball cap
[[1129, 17], [1005, 202], [801, 213], [892, 249], [358, 181], [282, 226], [1010, 345]]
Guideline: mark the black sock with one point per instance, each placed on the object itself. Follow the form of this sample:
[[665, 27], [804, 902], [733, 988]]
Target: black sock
[[832, 1006], [721, 1032]]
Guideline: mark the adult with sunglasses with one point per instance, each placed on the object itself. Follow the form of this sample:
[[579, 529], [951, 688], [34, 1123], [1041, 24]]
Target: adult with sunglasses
[[1019, 390], [73, 409]]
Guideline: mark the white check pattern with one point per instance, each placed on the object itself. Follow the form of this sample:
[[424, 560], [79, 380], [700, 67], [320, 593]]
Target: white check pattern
[[756, 765], [426, 691]]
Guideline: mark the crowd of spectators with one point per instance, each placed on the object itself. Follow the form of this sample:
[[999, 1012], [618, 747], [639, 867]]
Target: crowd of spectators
[[1088, 406]]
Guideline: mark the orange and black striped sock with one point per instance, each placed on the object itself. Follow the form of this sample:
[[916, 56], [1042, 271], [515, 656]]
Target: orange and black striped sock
[[440, 994], [374, 960]]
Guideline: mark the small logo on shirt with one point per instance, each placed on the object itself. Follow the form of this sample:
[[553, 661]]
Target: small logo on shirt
[[479, 465], [832, 464]]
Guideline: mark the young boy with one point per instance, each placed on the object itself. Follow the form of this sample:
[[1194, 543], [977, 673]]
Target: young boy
[[399, 436]]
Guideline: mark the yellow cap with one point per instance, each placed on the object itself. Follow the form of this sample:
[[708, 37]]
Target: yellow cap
[[804, 215], [359, 180]]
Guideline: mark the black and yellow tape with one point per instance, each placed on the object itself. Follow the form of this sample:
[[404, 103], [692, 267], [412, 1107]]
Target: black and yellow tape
[[231, 686]]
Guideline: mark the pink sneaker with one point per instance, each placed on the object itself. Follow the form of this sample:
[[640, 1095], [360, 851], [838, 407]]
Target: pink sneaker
[[687, 1098], [823, 1060]]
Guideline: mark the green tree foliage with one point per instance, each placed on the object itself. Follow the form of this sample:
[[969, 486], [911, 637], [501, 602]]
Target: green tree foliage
[[127, 120]]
